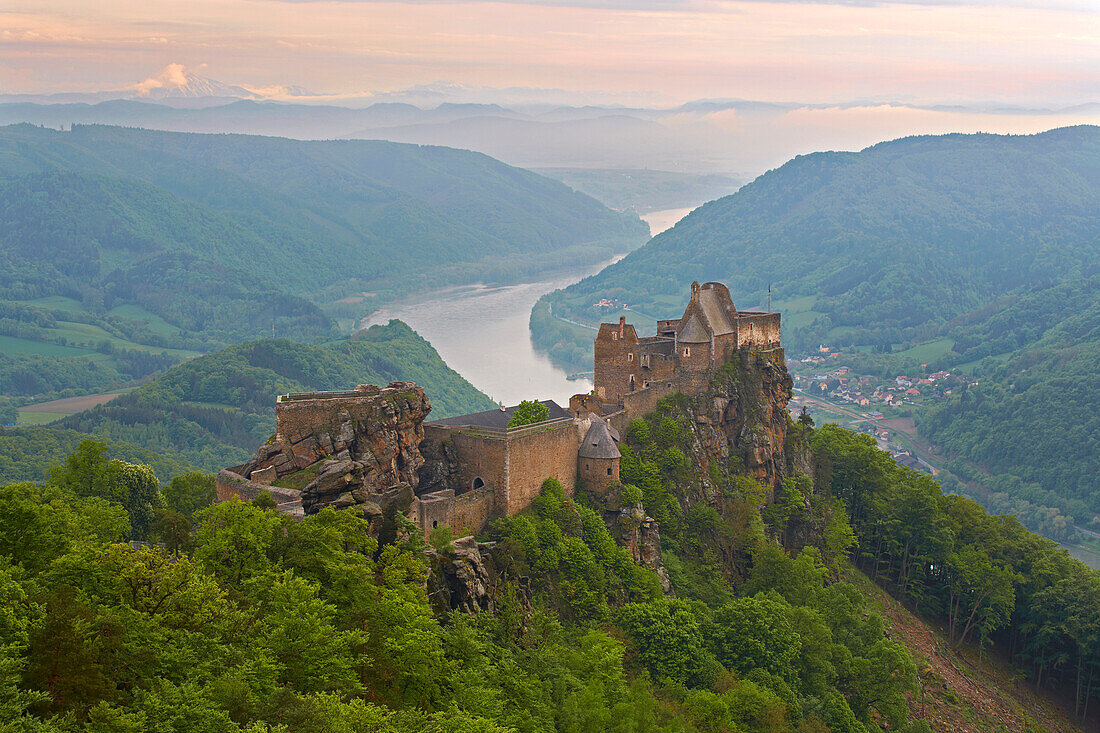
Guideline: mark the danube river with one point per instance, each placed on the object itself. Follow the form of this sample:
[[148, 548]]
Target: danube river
[[482, 331]]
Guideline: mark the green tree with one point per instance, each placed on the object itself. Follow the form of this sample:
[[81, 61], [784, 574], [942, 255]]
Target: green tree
[[189, 493], [982, 594], [755, 633], [529, 412]]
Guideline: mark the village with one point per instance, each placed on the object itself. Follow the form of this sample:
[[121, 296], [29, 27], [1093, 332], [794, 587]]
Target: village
[[881, 406]]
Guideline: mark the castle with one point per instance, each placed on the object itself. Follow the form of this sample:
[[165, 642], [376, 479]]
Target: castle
[[373, 446]]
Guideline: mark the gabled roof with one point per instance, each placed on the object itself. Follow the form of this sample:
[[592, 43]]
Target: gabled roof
[[598, 442], [693, 332]]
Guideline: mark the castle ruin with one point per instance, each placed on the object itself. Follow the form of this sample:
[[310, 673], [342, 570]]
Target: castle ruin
[[373, 447]]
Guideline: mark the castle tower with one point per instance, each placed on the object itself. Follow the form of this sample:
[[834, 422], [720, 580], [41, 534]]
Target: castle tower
[[598, 458]]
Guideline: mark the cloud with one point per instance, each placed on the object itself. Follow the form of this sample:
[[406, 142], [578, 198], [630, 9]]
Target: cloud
[[170, 77]]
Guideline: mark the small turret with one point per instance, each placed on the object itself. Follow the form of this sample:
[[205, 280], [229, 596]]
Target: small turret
[[598, 457]]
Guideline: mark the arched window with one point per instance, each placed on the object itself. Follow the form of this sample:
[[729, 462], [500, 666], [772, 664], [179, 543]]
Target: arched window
[[630, 357], [478, 483], [687, 351]]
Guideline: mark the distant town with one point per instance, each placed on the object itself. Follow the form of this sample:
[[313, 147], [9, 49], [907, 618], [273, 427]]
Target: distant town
[[873, 404]]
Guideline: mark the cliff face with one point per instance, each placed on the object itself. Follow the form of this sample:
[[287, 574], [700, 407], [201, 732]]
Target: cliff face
[[741, 421], [344, 449]]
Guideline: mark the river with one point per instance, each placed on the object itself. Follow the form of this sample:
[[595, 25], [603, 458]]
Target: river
[[482, 333]]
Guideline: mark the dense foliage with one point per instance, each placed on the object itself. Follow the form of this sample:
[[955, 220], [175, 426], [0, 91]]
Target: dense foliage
[[990, 580], [241, 216], [212, 411], [239, 618]]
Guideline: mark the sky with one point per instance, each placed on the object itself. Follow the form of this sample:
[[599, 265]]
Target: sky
[[1034, 53]]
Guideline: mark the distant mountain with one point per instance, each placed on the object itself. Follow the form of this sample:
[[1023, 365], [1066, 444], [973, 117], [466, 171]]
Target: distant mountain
[[645, 190], [91, 207]]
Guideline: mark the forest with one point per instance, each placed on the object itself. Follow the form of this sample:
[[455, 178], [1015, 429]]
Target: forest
[[234, 617]]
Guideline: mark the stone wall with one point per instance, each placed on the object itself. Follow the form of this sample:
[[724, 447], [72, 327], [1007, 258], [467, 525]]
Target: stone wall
[[535, 454], [228, 484], [758, 329], [474, 509], [644, 401], [472, 455], [357, 445]]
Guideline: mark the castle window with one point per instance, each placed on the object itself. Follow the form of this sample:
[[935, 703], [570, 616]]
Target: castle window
[[614, 335], [609, 470], [586, 467], [630, 357], [687, 351], [478, 483], [434, 524]]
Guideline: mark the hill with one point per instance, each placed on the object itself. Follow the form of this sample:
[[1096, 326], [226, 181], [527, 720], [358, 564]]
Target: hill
[[972, 252], [310, 216], [211, 411], [125, 250]]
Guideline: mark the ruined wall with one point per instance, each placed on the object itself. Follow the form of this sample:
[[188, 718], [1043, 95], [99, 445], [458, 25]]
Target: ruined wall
[[481, 457], [536, 454], [661, 368], [758, 329], [356, 445], [228, 484], [644, 401]]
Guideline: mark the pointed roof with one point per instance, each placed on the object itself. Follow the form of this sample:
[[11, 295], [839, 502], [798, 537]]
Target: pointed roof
[[598, 442], [693, 332]]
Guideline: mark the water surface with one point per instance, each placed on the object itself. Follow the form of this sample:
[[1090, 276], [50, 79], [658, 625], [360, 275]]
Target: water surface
[[482, 333]]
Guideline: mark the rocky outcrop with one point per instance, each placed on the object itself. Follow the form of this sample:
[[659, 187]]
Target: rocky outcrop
[[741, 421], [344, 449], [462, 577], [637, 533]]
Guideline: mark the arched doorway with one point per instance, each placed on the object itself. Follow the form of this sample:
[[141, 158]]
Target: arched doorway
[[477, 484]]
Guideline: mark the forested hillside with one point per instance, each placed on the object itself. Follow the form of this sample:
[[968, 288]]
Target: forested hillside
[[212, 411], [986, 245], [890, 243], [237, 618], [123, 251]]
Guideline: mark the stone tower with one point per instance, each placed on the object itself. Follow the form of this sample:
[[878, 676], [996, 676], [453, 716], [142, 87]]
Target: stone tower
[[598, 458]]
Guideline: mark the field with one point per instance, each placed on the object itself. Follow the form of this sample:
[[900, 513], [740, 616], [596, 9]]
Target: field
[[13, 345], [927, 352], [43, 413]]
